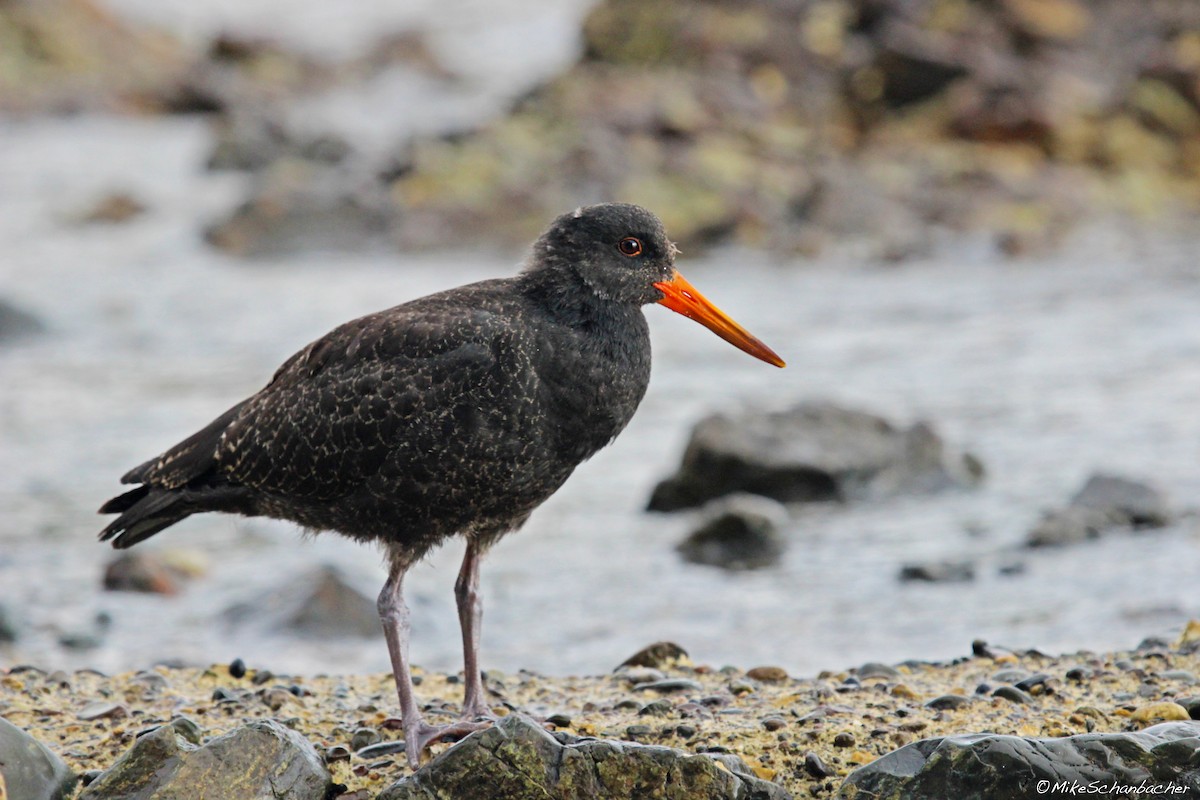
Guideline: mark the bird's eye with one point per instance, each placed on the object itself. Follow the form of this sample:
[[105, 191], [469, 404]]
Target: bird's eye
[[630, 246]]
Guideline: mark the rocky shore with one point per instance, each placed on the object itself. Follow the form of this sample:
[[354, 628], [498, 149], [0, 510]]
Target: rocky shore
[[771, 734]]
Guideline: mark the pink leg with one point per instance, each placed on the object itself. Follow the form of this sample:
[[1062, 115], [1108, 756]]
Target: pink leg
[[470, 616], [394, 614]]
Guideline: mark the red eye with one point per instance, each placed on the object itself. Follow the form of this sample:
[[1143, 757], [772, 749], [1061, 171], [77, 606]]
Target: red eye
[[629, 246]]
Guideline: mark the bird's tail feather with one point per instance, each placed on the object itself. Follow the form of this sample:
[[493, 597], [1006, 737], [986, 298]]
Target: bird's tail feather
[[144, 512]]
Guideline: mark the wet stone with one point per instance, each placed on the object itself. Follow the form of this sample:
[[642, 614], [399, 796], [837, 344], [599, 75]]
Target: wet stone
[[938, 572], [94, 711], [658, 708], [237, 668], [256, 762], [1012, 694], [516, 758], [948, 702], [874, 669], [640, 674], [660, 655], [741, 533], [977, 766], [29, 770], [364, 737], [768, 674], [814, 766], [813, 452], [381, 749], [670, 685], [337, 753], [844, 739]]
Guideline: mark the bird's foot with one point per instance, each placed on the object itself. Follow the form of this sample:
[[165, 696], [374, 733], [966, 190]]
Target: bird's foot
[[476, 712], [424, 735]]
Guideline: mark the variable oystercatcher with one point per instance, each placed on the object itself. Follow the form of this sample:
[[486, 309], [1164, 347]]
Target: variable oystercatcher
[[458, 413]]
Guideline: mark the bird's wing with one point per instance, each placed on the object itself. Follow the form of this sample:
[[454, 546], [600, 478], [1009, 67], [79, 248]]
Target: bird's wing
[[335, 411]]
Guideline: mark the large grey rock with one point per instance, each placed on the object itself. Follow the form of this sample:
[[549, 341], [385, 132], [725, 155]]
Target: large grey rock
[[995, 767], [815, 451], [517, 760], [319, 604], [1105, 503], [28, 769], [16, 323], [260, 760], [739, 533]]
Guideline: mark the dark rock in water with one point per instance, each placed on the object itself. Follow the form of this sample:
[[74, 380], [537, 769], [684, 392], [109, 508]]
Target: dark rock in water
[[1128, 502], [16, 323], [141, 572], [29, 770], [815, 451], [1105, 503], [517, 760], [303, 206], [260, 760], [656, 656], [738, 534], [939, 572], [320, 604], [978, 766], [8, 625]]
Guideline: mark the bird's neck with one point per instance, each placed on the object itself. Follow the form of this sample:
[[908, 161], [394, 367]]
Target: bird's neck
[[567, 299]]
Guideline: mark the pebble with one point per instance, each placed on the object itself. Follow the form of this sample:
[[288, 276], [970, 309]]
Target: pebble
[[742, 687], [151, 681], [102, 711], [1037, 681], [640, 674], [814, 766], [237, 668], [774, 723], [634, 731], [948, 702], [364, 737], [339, 752], [382, 749], [559, 720], [1079, 673], [1012, 694], [223, 694], [874, 669], [1165, 710], [669, 685], [770, 674], [1009, 675], [938, 572], [277, 698], [657, 656], [685, 731], [844, 739], [1180, 675], [658, 708]]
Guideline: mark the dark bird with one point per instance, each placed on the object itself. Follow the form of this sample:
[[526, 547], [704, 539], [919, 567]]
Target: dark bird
[[457, 413]]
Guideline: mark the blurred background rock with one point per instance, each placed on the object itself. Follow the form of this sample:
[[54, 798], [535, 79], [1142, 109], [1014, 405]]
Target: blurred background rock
[[782, 125]]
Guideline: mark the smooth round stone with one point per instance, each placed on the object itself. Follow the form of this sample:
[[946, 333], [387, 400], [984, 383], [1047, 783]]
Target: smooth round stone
[[948, 702]]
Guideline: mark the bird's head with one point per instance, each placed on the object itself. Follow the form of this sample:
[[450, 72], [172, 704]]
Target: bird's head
[[621, 253]]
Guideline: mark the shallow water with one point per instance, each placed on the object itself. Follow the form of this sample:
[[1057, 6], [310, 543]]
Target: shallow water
[[1047, 369]]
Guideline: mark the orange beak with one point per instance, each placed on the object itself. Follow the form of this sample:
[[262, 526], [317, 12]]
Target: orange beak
[[682, 298]]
